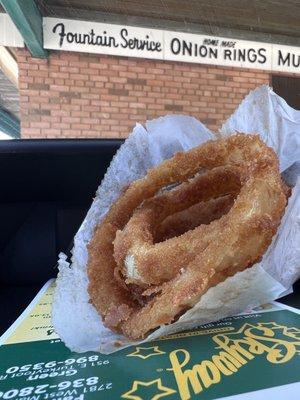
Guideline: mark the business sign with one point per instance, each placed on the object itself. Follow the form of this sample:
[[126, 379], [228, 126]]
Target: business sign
[[101, 38], [217, 51], [129, 41]]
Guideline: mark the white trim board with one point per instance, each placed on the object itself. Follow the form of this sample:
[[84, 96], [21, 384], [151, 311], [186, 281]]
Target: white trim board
[[9, 34]]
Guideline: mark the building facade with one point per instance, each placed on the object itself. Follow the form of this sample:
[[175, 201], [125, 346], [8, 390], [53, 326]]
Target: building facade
[[97, 78], [79, 95]]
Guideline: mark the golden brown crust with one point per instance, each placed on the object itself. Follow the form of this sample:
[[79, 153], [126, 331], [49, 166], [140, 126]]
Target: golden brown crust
[[203, 213], [236, 240], [136, 239]]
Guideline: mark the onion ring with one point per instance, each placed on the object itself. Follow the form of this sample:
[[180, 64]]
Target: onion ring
[[200, 213], [238, 239], [177, 224], [134, 251]]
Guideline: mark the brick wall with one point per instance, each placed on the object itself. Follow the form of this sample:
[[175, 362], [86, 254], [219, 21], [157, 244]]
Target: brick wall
[[81, 95]]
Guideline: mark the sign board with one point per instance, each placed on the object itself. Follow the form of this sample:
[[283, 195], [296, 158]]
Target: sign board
[[9, 34], [129, 41]]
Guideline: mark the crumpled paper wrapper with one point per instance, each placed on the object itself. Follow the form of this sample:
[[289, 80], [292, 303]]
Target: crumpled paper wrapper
[[263, 112]]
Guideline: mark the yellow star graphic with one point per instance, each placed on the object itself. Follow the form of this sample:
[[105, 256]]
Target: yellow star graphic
[[164, 391], [146, 352]]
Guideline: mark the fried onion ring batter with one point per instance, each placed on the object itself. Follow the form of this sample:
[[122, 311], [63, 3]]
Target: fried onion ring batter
[[205, 255], [134, 251], [200, 213]]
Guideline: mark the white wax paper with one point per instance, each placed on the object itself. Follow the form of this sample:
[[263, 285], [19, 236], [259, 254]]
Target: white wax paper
[[262, 112]]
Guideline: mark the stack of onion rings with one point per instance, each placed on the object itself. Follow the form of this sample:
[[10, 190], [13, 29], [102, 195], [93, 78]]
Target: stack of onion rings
[[157, 252]]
